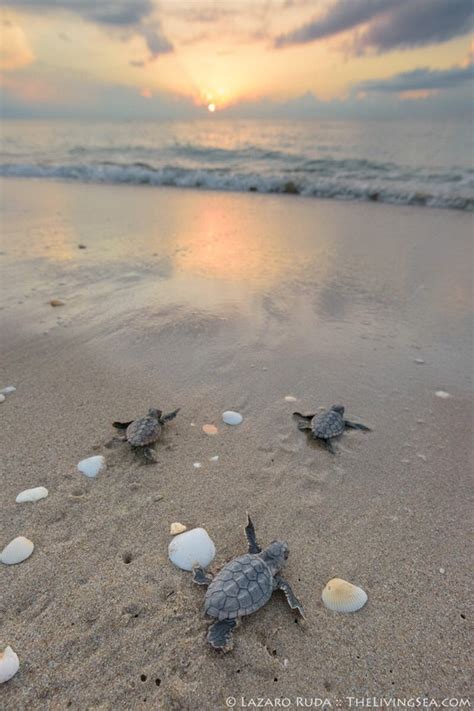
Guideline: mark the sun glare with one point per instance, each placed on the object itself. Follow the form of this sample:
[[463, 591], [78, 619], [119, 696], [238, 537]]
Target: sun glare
[[211, 108]]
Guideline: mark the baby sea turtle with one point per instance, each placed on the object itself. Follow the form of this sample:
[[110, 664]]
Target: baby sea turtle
[[327, 425], [142, 433], [243, 586]]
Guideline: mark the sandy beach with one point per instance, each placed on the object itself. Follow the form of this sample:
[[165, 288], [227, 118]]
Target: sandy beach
[[210, 301]]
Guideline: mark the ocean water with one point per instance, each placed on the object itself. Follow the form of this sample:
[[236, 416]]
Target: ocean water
[[410, 163]]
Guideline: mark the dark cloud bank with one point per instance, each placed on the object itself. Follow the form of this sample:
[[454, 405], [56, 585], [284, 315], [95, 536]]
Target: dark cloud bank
[[390, 23]]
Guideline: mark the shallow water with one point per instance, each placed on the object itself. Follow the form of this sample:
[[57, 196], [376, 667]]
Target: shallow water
[[409, 162]]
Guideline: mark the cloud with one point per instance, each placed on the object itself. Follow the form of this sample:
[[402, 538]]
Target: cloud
[[15, 51], [342, 15], [422, 79], [419, 22], [135, 16], [43, 94], [388, 23], [156, 41]]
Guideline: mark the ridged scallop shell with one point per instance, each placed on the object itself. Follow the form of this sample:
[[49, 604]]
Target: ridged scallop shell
[[341, 596]]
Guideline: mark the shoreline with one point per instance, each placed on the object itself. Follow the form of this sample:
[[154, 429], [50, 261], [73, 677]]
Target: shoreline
[[282, 187]]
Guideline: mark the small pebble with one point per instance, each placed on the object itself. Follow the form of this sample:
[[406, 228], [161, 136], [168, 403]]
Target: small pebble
[[92, 465], [2, 397], [232, 418], [192, 548], [17, 551], [176, 528], [210, 429], [197, 465], [214, 459], [442, 393], [442, 571], [81, 246], [9, 664], [35, 494], [56, 302], [290, 398], [420, 361]]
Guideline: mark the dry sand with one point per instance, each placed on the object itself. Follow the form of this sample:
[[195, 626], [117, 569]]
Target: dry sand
[[208, 302]]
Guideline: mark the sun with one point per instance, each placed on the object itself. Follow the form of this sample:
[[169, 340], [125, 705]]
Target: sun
[[211, 108]]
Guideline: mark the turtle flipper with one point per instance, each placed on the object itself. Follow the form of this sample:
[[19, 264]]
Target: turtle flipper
[[293, 602], [169, 416], [200, 577], [329, 446], [356, 426], [251, 537], [121, 425], [219, 635], [303, 422], [148, 455]]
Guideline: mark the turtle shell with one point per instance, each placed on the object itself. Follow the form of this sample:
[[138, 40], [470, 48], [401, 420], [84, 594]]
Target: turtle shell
[[143, 431], [242, 586], [328, 424]]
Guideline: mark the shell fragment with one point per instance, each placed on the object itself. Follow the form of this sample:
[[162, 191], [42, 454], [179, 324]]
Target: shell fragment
[[92, 466], [192, 548], [176, 528], [232, 418], [17, 551], [35, 494], [9, 664]]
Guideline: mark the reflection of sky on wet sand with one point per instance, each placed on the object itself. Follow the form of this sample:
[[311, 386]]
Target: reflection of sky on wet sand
[[288, 257]]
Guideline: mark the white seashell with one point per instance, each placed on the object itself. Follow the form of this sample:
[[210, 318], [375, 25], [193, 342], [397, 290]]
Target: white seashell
[[176, 528], [290, 398], [232, 418], [9, 389], [2, 398], [92, 465], [192, 548], [39, 492], [17, 551], [442, 394], [419, 361], [9, 664], [341, 596], [197, 465], [214, 459]]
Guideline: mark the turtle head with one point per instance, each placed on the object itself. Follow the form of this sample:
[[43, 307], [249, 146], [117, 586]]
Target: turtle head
[[338, 408], [275, 555], [153, 412]]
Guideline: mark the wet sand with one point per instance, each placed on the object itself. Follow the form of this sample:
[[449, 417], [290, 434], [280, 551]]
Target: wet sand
[[211, 301]]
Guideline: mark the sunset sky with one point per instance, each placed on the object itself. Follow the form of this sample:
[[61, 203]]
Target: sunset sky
[[191, 58]]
